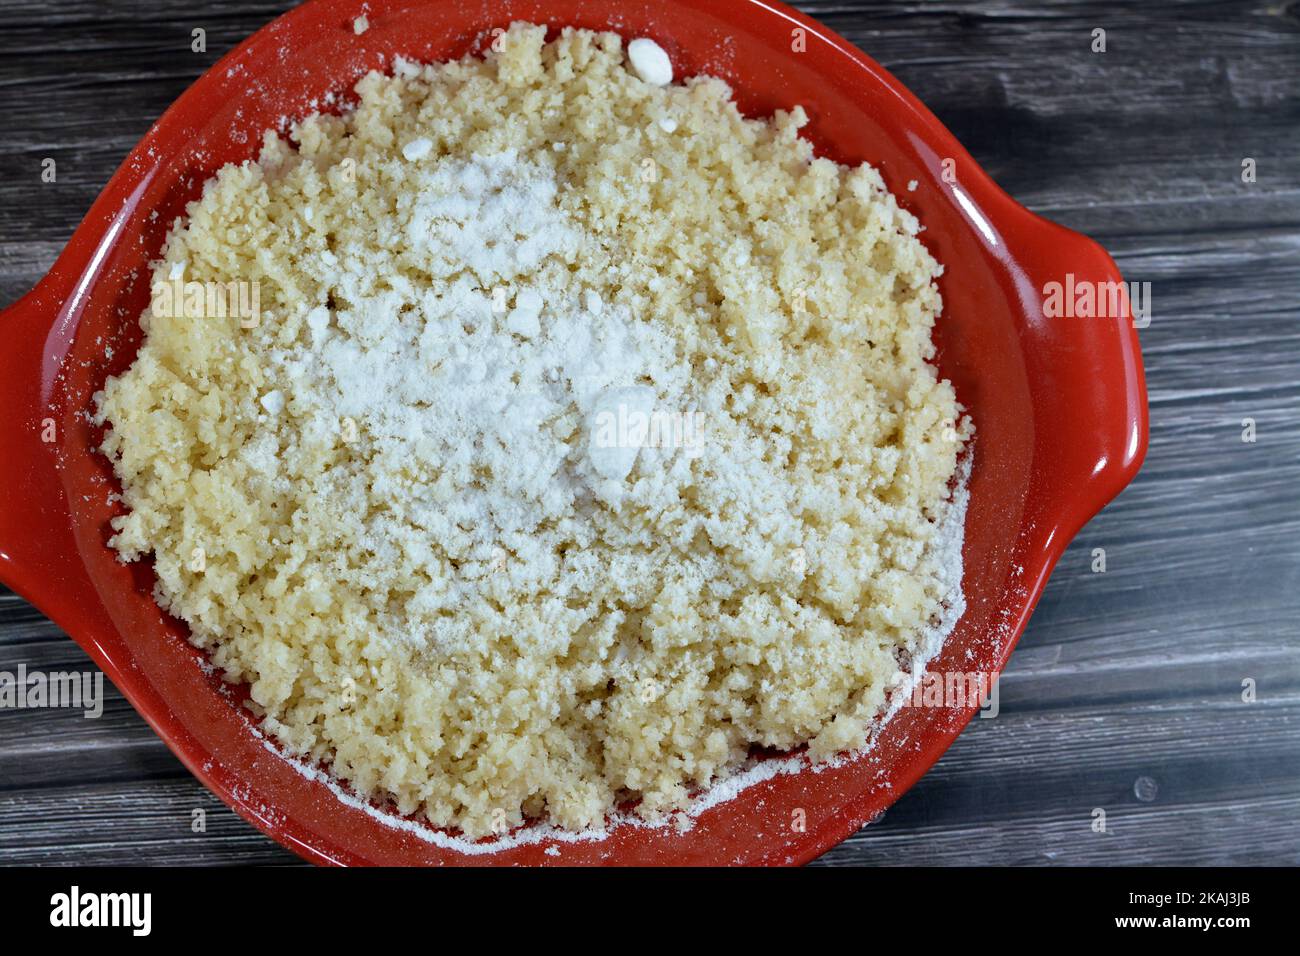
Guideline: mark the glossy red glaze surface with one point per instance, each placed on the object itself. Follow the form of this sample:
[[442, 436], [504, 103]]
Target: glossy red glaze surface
[[1059, 404]]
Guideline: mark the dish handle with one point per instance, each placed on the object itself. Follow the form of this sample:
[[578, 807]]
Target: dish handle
[[1082, 352], [38, 551]]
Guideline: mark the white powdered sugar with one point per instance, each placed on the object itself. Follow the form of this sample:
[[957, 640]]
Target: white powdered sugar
[[493, 215], [480, 379]]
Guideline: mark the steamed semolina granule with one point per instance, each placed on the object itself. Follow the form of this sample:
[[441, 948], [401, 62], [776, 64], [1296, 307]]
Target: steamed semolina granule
[[585, 437]]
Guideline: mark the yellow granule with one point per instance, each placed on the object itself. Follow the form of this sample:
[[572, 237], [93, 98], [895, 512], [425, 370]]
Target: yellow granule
[[382, 505]]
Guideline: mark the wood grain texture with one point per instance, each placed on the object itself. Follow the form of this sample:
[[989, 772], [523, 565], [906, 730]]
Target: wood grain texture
[[1134, 673]]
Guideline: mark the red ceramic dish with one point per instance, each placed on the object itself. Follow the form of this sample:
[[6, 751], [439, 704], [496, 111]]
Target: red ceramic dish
[[1059, 404]]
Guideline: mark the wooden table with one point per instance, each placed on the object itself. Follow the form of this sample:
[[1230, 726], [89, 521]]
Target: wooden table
[[1126, 691]]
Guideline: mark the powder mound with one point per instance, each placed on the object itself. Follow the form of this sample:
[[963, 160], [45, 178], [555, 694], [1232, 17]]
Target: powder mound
[[585, 437]]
